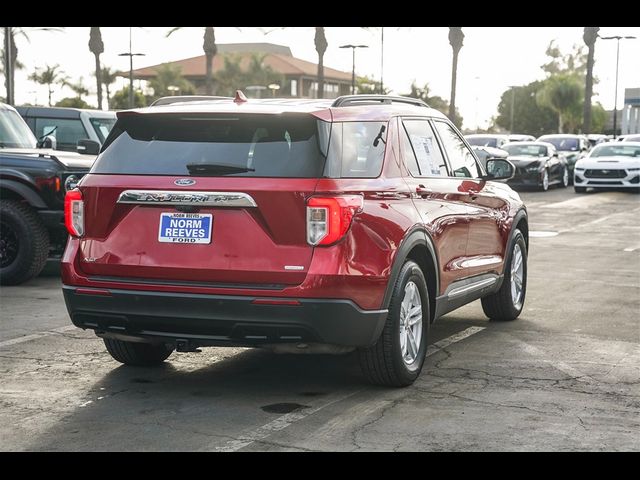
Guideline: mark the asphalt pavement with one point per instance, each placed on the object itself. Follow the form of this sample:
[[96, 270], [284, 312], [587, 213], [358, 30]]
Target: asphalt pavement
[[564, 376]]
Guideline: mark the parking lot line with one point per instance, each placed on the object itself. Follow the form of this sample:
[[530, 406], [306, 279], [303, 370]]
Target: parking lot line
[[557, 364], [34, 336], [288, 419]]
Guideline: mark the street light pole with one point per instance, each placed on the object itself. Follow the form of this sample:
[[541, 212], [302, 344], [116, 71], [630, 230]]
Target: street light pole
[[353, 64], [130, 55], [381, 60], [615, 96]]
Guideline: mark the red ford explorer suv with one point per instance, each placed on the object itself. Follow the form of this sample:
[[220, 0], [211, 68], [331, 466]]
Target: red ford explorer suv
[[299, 225]]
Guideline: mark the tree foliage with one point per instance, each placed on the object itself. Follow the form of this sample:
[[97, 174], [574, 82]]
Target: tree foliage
[[555, 104], [529, 117], [73, 102], [49, 75], [563, 94], [78, 87], [233, 76], [96, 46], [434, 101], [108, 76], [170, 75], [369, 86], [120, 99]]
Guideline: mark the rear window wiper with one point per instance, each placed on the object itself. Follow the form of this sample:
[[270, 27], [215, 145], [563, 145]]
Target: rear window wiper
[[204, 168]]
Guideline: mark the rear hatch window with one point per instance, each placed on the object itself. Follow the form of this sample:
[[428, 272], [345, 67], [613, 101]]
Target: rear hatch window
[[291, 146]]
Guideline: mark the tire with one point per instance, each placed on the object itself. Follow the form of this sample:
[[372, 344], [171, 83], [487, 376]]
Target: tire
[[137, 354], [565, 178], [24, 243], [505, 305], [544, 184], [579, 189], [387, 362]]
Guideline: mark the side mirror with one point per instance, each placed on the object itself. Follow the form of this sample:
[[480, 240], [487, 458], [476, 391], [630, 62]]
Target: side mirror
[[88, 147], [48, 142], [499, 169]]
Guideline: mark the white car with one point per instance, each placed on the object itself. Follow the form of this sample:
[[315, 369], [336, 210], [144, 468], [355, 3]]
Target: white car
[[609, 165]]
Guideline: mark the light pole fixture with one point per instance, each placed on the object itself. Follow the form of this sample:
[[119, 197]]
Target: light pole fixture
[[273, 87], [173, 89], [130, 55], [353, 64], [615, 101]]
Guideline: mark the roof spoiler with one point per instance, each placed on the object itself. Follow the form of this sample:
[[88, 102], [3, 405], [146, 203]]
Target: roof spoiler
[[355, 100], [186, 98]]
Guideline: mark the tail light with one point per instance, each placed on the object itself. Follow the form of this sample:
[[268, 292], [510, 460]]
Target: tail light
[[329, 218], [74, 212]]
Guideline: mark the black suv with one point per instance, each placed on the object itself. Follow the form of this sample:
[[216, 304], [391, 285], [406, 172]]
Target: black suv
[[33, 183]]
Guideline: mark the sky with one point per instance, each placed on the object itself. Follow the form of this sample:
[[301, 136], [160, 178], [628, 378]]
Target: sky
[[491, 60]]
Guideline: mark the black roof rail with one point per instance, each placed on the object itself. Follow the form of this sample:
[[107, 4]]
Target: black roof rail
[[351, 100], [186, 98]]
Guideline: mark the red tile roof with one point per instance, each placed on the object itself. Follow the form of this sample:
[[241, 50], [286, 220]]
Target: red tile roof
[[284, 64]]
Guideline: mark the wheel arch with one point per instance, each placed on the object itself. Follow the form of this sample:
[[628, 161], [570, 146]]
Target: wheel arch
[[419, 247], [14, 190], [520, 222]]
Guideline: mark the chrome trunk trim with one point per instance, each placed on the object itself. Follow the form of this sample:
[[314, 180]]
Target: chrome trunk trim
[[172, 197]]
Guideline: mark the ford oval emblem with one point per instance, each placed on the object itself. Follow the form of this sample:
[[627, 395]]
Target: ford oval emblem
[[184, 182]]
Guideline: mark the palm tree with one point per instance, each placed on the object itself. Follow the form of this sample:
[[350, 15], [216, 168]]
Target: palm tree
[[108, 78], [210, 50], [321, 47], [48, 76], [168, 75], [78, 87], [456, 38], [561, 93], [96, 46], [590, 36], [13, 53]]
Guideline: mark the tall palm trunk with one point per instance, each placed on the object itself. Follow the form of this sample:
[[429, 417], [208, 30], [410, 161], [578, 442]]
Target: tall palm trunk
[[96, 46], [456, 38], [106, 90], [560, 130], [590, 36], [210, 49], [321, 48], [9, 70], [99, 82], [50, 93]]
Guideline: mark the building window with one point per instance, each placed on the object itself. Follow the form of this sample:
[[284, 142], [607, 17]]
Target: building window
[[294, 88]]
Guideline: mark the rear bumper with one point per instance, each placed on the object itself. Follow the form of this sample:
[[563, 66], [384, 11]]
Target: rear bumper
[[220, 319]]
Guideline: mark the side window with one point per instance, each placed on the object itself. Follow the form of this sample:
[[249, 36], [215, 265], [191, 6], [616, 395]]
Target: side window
[[463, 164], [430, 162], [356, 149], [67, 131]]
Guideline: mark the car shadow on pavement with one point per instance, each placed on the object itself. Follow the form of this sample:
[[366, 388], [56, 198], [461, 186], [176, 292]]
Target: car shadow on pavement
[[184, 405]]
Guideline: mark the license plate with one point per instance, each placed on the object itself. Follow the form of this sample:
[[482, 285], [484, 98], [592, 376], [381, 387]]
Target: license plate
[[185, 228]]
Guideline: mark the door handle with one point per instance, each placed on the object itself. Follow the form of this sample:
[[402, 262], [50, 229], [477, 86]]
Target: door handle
[[422, 190]]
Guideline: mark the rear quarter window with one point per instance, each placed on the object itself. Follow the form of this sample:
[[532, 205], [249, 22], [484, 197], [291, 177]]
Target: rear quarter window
[[356, 149]]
